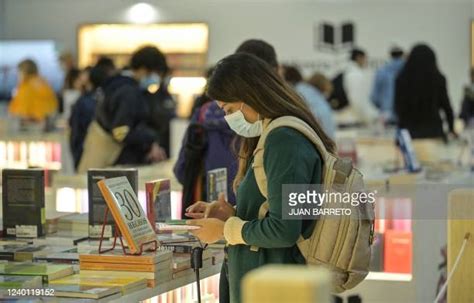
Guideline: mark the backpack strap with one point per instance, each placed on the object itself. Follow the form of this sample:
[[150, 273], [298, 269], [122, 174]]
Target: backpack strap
[[258, 167]]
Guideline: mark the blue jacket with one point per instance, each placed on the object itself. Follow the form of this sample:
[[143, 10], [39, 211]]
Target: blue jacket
[[383, 91], [82, 114], [318, 106], [218, 152]]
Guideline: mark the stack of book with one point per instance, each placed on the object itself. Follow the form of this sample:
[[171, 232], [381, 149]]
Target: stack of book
[[153, 266], [76, 224], [19, 282], [48, 272], [182, 263]]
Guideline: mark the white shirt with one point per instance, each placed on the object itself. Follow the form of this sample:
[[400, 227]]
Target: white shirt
[[357, 84]]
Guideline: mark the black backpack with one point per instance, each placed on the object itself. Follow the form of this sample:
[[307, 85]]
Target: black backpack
[[338, 100]]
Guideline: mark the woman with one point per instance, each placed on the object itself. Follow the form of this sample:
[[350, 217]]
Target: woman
[[251, 94], [420, 94], [35, 99]]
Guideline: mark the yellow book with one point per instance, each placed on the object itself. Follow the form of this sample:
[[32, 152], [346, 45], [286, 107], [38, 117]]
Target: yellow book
[[117, 256], [125, 266], [124, 283], [127, 212]]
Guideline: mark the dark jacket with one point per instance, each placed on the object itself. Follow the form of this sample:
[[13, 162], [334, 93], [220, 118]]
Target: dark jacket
[[162, 110], [467, 106], [218, 151], [419, 110], [123, 113], [82, 114]]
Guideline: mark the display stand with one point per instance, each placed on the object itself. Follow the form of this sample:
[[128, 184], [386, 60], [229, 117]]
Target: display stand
[[117, 234]]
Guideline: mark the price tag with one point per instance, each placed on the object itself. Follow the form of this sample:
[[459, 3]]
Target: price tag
[[26, 231], [96, 230]]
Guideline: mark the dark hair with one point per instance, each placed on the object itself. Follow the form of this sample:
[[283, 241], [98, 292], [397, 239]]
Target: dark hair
[[150, 58], [356, 53], [260, 49], [106, 63], [396, 52], [321, 82], [71, 77], [291, 74], [28, 67], [417, 82], [244, 77]]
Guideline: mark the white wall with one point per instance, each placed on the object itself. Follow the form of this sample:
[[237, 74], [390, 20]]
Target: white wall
[[288, 25]]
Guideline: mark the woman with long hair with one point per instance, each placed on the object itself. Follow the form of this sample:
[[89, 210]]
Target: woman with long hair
[[252, 94], [420, 95]]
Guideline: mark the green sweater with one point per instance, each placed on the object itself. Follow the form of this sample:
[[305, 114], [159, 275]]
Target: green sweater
[[289, 158]]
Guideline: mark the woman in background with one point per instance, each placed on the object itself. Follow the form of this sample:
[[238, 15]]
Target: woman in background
[[420, 94], [34, 100]]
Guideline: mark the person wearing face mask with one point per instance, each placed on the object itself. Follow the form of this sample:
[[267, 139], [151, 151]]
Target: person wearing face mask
[[123, 110], [252, 94]]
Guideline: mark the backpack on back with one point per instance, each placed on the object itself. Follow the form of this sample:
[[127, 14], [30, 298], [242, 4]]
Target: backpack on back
[[341, 243]]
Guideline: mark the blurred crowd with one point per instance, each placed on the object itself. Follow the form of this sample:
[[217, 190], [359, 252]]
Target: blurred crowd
[[131, 107]]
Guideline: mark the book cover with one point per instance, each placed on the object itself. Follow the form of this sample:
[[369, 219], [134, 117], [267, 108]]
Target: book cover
[[406, 147], [127, 212], [398, 251], [216, 183], [84, 291], [23, 197], [124, 283], [117, 256], [158, 199], [97, 203], [47, 271], [31, 251]]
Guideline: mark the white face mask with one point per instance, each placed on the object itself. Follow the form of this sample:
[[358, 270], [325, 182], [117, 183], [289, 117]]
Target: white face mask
[[242, 127]]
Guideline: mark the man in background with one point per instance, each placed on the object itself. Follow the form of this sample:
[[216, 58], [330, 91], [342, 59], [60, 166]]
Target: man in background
[[357, 84], [383, 90]]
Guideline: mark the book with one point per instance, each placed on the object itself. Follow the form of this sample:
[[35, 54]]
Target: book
[[23, 197], [97, 203], [398, 251], [158, 200], [127, 212], [63, 239], [117, 256], [31, 251], [76, 225], [124, 283], [20, 282], [172, 238], [174, 227], [179, 273], [84, 291], [216, 183], [47, 271], [64, 258], [126, 267], [406, 147], [161, 274], [7, 252]]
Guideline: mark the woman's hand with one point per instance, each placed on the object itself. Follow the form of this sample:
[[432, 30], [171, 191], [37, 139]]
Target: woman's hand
[[211, 231], [220, 209]]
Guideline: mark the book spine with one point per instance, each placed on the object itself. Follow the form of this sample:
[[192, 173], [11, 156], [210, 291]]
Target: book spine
[[118, 267], [150, 209]]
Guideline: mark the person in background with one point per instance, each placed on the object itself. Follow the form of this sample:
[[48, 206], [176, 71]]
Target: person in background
[[107, 68], [313, 97], [383, 89], [420, 94], [83, 110], [203, 98], [162, 107], [322, 83], [123, 112], [76, 83], [467, 105], [34, 100], [357, 84], [251, 94], [70, 72]]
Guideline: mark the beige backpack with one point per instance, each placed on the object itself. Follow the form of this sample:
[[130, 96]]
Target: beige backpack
[[342, 243]]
